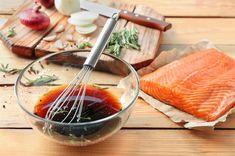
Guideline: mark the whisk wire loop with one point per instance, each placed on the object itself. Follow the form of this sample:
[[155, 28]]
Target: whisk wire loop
[[79, 83], [56, 105]]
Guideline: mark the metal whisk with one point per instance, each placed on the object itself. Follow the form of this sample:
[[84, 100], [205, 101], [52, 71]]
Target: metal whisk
[[79, 83]]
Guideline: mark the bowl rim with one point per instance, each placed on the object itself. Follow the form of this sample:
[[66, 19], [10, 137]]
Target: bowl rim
[[17, 82]]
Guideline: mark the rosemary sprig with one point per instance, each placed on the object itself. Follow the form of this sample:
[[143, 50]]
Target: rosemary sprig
[[7, 70], [42, 80], [61, 112], [11, 32], [123, 39], [85, 118], [84, 45]]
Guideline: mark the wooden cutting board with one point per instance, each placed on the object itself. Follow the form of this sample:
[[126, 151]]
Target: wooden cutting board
[[29, 43], [25, 40]]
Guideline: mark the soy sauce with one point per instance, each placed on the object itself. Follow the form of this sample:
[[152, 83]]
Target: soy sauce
[[98, 103]]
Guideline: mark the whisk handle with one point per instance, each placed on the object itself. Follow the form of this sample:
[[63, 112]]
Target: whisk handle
[[101, 42]]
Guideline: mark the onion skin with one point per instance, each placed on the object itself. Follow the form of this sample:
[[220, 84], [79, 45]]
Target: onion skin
[[35, 19], [46, 3]]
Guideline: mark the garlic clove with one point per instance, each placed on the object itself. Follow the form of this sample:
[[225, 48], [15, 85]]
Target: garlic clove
[[79, 41], [50, 38], [70, 38], [88, 39], [60, 29], [59, 45]]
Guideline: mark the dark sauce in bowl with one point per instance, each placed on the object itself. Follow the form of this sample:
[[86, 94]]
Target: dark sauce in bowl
[[98, 103]]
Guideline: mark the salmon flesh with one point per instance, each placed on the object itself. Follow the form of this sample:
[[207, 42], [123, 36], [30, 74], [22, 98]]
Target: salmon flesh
[[201, 84]]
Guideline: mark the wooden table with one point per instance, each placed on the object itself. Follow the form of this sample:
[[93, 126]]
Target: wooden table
[[148, 132]]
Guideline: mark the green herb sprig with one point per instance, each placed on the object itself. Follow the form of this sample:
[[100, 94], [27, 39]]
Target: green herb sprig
[[42, 80], [84, 45], [7, 70], [11, 32], [126, 38]]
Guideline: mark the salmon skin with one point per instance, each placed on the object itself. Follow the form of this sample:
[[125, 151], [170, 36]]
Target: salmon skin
[[201, 84]]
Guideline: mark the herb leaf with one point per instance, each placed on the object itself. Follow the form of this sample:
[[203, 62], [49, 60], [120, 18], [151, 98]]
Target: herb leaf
[[7, 70], [42, 80], [11, 32], [84, 45], [123, 39]]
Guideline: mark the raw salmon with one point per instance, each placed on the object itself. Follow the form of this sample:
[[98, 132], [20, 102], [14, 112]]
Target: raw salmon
[[201, 84]]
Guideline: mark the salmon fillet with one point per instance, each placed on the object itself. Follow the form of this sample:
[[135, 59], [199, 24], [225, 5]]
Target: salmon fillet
[[201, 84]]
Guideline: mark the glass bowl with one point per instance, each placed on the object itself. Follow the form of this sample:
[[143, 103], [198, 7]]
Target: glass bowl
[[57, 69]]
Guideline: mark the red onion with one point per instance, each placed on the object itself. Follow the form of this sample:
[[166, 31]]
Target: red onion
[[46, 3], [35, 19]]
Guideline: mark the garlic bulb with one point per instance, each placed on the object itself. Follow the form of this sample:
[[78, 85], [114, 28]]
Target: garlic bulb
[[67, 7]]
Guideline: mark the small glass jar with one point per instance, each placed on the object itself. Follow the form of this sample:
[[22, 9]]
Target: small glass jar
[[67, 7]]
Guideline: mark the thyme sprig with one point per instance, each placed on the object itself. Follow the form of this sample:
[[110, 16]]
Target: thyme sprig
[[7, 70], [11, 32], [84, 45], [42, 80], [126, 38]]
